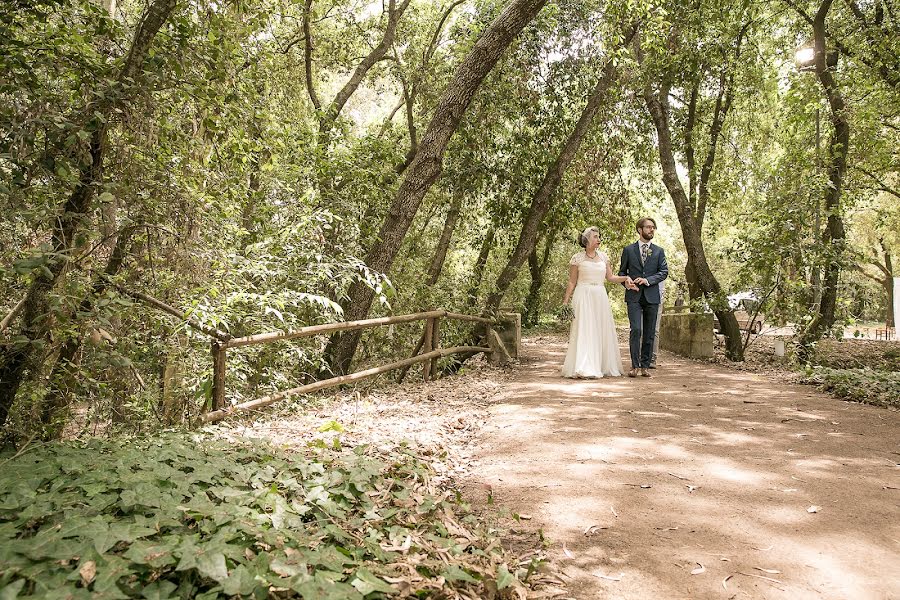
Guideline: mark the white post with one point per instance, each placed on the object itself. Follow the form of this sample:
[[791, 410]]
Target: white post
[[779, 347]]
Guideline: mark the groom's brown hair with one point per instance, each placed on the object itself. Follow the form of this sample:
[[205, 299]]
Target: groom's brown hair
[[640, 222]]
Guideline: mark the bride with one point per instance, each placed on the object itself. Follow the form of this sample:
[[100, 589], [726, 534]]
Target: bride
[[593, 344]]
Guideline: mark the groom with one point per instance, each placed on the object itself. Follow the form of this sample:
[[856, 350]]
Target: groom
[[646, 264]]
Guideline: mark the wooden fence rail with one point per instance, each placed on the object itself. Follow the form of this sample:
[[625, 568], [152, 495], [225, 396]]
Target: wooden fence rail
[[430, 355]]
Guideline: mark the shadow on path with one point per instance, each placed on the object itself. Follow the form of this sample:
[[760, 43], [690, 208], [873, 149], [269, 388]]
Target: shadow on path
[[698, 466]]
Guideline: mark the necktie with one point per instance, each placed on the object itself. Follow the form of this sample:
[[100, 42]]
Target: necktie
[[645, 252]]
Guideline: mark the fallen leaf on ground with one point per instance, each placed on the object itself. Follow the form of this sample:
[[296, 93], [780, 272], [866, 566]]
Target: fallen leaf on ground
[[593, 529], [762, 577], [88, 571], [699, 570], [691, 488], [610, 577], [772, 571], [678, 477], [813, 509], [566, 552], [613, 509], [762, 549], [666, 528], [724, 580]]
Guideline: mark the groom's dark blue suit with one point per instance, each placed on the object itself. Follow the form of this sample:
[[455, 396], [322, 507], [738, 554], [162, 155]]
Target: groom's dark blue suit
[[643, 305]]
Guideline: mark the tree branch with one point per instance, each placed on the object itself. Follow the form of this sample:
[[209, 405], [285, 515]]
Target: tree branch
[[337, 105], [307, 55], [882, 186]]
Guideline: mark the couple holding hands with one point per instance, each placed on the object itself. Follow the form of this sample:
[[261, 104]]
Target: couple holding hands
[[593, 345]]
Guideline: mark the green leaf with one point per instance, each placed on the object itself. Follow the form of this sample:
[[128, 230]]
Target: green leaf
[[366, 583], [455, 573], [213, 565], [159, 590], [11, 591], [331, 426], [241, 582], [504, 578], [322, 588]]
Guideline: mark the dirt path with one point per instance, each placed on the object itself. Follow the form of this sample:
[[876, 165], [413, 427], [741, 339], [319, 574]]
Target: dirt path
[[699, 465]]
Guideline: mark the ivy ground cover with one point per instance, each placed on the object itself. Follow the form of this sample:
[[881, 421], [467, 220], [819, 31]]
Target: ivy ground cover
[[179, 516]]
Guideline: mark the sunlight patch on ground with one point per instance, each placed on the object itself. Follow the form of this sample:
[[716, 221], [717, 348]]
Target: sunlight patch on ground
[[799, 414], [728, 471], [849, 578], [651, 413], [818, 466]]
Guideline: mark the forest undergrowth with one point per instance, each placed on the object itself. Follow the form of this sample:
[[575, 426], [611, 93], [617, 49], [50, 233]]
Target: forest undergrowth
[[354, 498]]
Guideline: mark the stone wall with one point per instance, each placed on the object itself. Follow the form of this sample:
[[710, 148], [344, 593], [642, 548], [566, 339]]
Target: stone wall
[[687, 334]]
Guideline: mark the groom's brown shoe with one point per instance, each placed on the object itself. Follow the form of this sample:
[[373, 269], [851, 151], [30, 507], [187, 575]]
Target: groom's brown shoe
[[632, 373], [645, 373]]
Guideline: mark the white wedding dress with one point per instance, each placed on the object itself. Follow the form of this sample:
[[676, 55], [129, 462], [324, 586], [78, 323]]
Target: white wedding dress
[[593, 344]]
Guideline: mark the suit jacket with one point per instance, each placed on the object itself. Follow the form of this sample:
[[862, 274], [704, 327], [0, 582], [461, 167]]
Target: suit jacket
[[655, 270]]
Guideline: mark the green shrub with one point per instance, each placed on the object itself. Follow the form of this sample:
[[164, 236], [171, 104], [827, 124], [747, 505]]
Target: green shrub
[[881, 388]]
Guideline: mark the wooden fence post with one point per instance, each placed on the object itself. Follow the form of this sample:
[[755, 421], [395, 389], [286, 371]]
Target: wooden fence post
[[435, 345], [429, 340], [218, 383]]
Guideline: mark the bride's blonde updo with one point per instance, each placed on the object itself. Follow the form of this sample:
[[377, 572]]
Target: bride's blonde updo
[[583, 236]]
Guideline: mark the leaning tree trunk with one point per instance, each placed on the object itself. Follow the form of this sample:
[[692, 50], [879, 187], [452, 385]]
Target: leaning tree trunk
[[889, 313], [543, 198], [437, 262], [440, 253], [691, 220], [21, 361], [537, 268], [426, 166], [62, 378], [833, 238], [695, 291], [658, 108], [480, 263], [889, 286]]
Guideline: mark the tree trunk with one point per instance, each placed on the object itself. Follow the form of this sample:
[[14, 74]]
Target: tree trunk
[[64, 374], [440, 253], [695, 291], [698, 190], [426, 166], [833, 238], [542, 200], [889, 313], [537, 268], [658, 106], [437, 263], [480, 263], [21, 361]]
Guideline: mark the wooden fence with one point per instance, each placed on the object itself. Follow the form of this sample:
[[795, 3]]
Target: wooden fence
[[431, 352], [222, 342]]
